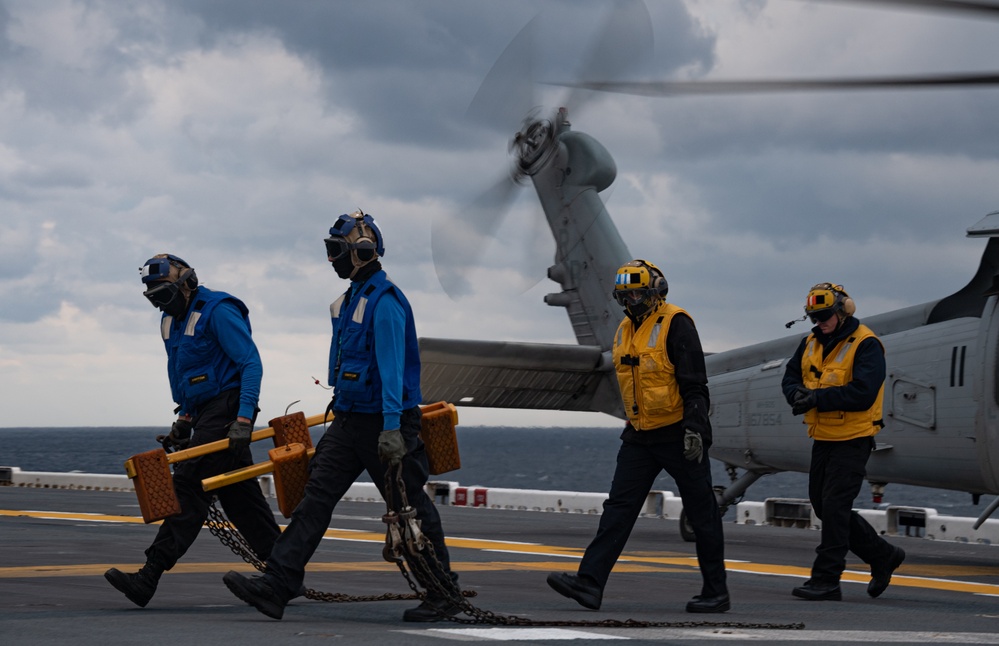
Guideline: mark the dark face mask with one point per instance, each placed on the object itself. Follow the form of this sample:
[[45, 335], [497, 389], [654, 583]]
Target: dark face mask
[[638, 311], [344, 266]]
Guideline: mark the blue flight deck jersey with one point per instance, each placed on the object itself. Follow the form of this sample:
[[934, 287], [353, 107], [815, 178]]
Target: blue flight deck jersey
[[210, 351], [374, 354]]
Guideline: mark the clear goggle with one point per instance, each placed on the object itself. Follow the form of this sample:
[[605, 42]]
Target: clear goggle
[[626, 297]]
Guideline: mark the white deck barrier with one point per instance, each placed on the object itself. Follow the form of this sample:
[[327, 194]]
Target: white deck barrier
[[918, 522], [13, 476]]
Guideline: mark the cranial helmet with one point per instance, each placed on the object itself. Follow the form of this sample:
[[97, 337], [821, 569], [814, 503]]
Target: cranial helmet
[[826, 299], [639, 286], [169, 280], [357, 234]]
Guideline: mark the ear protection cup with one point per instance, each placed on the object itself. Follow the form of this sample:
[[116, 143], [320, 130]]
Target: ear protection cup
[[364, 255], [190, 277], [849, 307], [659, 283], [844, 304]]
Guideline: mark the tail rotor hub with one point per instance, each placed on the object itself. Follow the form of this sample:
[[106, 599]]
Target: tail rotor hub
[[534, 146]]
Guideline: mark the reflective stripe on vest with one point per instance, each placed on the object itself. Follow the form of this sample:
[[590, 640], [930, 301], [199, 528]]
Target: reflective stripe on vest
[[837, 370], [646, 377]]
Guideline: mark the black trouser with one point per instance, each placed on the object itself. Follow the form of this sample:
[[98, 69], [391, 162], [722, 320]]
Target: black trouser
[[834, 480], [637, 468], [243, 502], [349, 447]]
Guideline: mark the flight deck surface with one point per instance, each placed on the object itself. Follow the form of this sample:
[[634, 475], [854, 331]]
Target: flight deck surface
[[56, 545]]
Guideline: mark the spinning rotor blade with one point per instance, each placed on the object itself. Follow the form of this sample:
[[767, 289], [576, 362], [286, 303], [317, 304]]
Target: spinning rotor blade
[[507, 92], [761, 86], [985, 9], [457, 242], [623, 47]]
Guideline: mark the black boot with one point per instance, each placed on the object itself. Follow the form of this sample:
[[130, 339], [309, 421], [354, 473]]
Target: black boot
[[256, 592], [583, 591], [819, 591], [881, 573], [433, 608], [701, 603], [139, 587]]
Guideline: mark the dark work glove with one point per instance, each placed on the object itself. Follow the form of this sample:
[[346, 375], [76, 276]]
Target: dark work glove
[[179, 437], [803, 400], [693, 446], [391, 446], [180, 434], [239, 436]]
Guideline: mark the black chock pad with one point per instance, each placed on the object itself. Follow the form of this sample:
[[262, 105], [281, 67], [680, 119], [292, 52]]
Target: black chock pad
[[150, 474], [438, 434], [291, 429], [291, 472]]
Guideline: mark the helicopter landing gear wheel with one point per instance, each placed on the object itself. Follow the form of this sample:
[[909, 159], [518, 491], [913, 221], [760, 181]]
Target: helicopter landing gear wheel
[[686, 531]]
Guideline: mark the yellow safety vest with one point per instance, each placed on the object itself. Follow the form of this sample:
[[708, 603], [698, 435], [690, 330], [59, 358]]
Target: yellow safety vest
[[644, 371], [837, 370]]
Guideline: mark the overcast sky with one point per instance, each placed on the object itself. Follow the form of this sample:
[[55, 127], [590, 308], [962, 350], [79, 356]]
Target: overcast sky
[[233, 133]]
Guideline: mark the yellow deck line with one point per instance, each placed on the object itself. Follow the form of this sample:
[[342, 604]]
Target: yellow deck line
[[637, 562]]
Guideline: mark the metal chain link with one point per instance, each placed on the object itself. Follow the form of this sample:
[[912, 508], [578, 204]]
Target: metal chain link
[[406, 544], [222, 529], [419, 562]]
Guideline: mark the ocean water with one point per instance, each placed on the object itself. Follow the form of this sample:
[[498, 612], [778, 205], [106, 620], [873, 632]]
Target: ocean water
[[562, 459]]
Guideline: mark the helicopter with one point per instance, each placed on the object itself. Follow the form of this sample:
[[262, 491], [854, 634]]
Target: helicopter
[[941, 395]]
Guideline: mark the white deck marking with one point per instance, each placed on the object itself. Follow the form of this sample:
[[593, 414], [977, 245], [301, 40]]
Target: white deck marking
[[711, 634], [519, 634]]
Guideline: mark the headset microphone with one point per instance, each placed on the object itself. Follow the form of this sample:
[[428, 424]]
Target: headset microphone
[[790, 323]]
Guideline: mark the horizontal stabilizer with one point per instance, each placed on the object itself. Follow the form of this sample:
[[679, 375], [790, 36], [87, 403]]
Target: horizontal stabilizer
[[540, 376], [987, 227]]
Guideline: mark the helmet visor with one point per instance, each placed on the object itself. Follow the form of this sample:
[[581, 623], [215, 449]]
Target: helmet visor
[[821, 316], [626, 297]]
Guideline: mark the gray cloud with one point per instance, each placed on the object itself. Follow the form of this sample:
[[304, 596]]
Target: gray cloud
[[233, 133]]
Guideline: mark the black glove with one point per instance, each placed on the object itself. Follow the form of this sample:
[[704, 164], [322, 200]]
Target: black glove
[[803, 400], [693, 446], [391, 446], [239, 436], [180, 434]]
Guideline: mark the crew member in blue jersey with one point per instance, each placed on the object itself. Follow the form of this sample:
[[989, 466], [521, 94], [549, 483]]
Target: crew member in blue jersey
[[836, 380], [215, 373], [664, 389], [374, 368]]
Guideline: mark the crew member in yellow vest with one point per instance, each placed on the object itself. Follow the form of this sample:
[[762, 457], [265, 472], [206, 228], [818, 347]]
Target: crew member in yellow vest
[[664, 389], [836, 379]]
